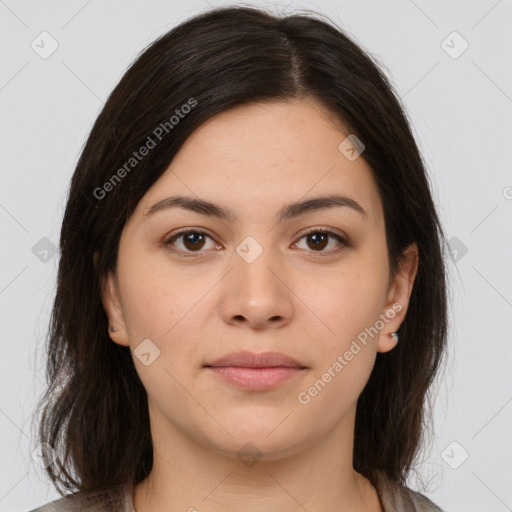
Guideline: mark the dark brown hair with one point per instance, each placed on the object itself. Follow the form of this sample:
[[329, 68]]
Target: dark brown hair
[[94, 412]]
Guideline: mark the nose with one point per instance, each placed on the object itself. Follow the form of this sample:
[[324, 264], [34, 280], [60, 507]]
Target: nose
[[257, 294]]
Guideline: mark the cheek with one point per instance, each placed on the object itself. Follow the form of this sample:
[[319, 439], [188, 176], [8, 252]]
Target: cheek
[[157, 296], [347, 301], [333, 392], [166, 305], [344, 363], [351, 302]]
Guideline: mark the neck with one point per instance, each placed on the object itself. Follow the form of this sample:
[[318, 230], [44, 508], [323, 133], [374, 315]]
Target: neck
[[189, 475]]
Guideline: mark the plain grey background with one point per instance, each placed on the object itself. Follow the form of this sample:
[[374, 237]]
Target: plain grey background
[[451, 65]]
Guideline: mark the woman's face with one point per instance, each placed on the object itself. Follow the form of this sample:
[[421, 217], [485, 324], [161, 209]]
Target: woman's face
[[256, 281]]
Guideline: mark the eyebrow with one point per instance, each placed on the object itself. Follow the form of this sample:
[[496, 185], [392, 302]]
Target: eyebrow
[[288, 212]]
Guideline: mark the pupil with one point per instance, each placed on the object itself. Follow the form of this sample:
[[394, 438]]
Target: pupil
[[193, 239], [316, 240]]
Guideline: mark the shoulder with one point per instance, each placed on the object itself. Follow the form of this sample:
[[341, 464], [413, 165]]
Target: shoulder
[[418, 501], [398, 498], [60, 505], [101, 503]]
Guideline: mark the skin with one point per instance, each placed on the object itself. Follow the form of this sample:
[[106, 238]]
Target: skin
[[255, 159]]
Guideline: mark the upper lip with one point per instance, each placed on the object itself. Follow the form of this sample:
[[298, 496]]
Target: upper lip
[[248, 359]]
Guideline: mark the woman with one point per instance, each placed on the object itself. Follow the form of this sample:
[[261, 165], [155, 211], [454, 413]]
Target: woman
[[251, 301]]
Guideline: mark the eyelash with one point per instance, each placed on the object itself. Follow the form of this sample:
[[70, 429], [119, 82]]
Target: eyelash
[[193, 254]]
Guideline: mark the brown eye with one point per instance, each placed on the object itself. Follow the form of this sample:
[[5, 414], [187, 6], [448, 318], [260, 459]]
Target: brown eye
[[191, 241], [318, 239], [188, 242]]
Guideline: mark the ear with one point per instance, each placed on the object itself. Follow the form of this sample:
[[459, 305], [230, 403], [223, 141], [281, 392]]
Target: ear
[[398, 297], [112, 305]]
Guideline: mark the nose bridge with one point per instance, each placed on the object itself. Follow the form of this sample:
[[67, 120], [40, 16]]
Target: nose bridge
[[257, 262], [256, 291]]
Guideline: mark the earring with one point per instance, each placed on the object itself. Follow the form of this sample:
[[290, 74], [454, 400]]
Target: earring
[[113, 329], [395, 335]]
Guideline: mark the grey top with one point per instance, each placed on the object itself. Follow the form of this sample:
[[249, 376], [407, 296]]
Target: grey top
[[393, 499]]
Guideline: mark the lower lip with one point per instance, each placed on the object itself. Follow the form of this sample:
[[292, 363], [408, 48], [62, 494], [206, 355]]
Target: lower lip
[[256, 379]]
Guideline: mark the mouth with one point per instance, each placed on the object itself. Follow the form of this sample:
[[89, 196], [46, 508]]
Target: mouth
[[256, 379], [248, 359], [256, 372]]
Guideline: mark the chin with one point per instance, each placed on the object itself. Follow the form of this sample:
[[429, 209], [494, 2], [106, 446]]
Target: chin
[[262, 443]]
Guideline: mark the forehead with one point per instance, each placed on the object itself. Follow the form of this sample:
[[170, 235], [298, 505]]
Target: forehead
[[260, 156]]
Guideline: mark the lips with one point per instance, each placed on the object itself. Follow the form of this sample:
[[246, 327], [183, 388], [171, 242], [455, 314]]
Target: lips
[[256, 372], [247, 359]]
